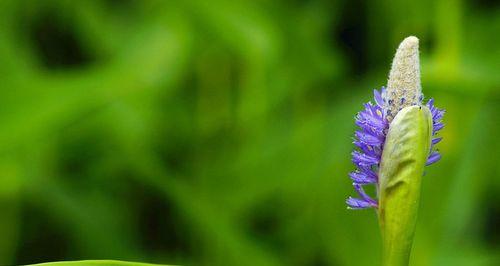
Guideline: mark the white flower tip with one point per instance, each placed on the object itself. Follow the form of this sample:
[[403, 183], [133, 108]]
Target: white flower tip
[[404, 88], [411, 41]]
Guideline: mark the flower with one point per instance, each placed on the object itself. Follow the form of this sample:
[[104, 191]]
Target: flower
[[437, 124], [369, 140], [374, 122]]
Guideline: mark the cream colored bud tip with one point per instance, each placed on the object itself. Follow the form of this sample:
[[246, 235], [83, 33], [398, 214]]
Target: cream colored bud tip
[[403, 87], [410, 42]]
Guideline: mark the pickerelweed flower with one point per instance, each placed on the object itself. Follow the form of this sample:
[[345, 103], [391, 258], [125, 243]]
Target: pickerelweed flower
[[374, 122], [395, 141]]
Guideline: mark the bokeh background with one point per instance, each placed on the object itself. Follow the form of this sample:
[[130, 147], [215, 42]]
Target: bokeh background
[[219, 132]]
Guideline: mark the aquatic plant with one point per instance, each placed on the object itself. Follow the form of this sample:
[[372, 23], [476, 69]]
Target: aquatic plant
[[395, 141]]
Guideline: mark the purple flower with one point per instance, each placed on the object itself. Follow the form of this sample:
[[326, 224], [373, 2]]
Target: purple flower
[[437, 124], [369, 140]]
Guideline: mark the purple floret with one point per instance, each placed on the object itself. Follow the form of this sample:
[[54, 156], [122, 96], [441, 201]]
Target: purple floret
[[370, 138], [364, 202], [437, 124]]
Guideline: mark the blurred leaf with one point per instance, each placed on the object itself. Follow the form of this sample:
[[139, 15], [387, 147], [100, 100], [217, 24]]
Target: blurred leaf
[[96, 263]]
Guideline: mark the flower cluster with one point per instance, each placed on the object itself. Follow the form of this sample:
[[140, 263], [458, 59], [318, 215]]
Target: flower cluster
[[437, 124], [369, 139]]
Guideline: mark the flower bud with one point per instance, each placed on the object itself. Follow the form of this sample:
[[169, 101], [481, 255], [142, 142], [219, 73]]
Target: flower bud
[[402, 165], [403, 86]]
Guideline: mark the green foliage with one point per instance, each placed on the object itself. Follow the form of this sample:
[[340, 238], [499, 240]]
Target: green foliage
[[95, 263], [219, 132]]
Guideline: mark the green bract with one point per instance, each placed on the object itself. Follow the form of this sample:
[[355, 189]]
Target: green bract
[[406, 149]]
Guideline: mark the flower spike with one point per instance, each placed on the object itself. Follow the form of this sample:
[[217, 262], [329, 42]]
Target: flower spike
[[402, 91], [396, 139]]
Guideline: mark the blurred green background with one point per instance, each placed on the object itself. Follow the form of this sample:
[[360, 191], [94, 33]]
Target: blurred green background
[[219, 132]]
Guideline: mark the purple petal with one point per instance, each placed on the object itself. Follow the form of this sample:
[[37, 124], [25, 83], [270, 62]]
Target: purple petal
[[368, 171], [433, 157], [363, 159], [436, 140], [363, 194], [437, 114], [362, 178], [368, 139], [430, 103], [438, 126], [372, 151], [356, 204], [367, 120]]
